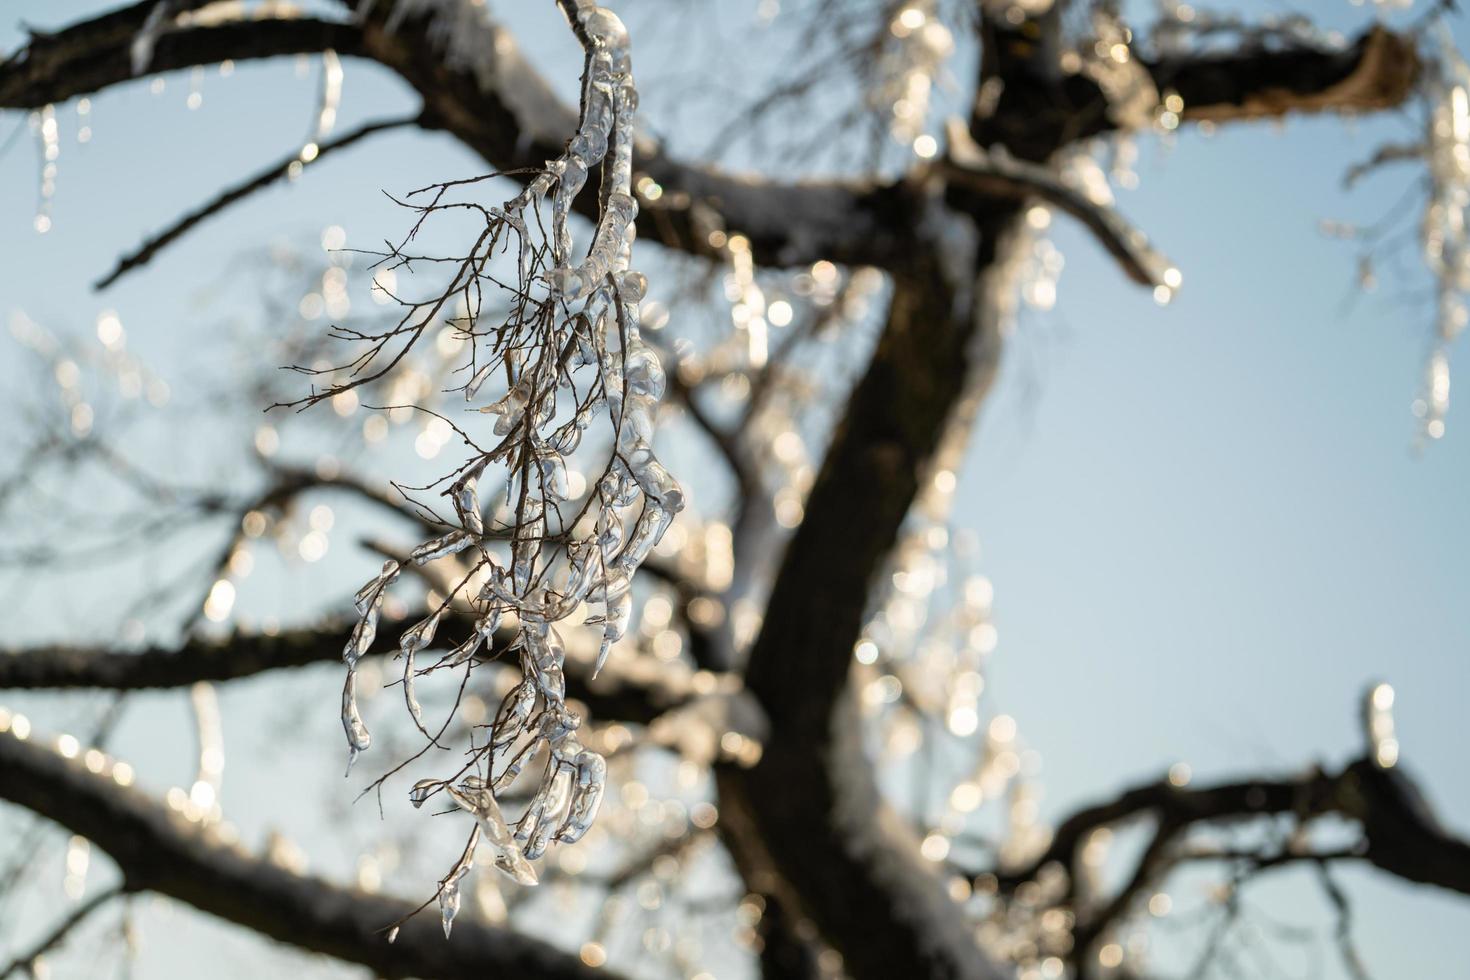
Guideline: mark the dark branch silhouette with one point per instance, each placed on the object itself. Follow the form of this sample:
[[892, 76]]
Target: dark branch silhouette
[[812, 838]]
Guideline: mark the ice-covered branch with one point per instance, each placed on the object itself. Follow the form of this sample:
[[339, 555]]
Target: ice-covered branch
[[629, 692], [998, 174], [1400, 833], [1377, 71], [495, 103], [96, 54], [842, 855], [568, 356], [1124, 85], [160, 850], [1386, 801]]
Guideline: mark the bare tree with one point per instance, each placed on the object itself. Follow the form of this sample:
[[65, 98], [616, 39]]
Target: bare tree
[[751, 653]]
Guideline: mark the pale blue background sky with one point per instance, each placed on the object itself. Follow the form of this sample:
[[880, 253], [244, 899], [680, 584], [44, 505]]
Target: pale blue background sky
[[1205, 524]]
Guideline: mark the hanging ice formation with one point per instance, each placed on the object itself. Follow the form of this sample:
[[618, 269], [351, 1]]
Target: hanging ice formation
[[532, 562]]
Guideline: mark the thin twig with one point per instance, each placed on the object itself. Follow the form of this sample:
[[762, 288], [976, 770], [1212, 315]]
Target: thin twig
[[58, 935], [277, 172]]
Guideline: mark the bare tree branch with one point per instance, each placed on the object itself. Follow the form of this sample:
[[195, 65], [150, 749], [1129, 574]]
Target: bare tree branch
[[241, 655], [58, 935], [96, 54], [278, 172], [160, 851], [844, 856], [622, 693], [503, 110], [1040, 108], [1384, 155], [807, 825], [1374, 73], [1000, 175], [1401, 835]]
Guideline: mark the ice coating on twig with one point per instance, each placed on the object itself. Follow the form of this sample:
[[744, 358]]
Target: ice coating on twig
[[449, 887], [568, 373], [475, 799]]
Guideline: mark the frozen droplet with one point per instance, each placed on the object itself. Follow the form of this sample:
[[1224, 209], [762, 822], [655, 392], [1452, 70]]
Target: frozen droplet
[[473, 388], [421, 634], [465, 495], [358, 738], [371, 593], [586, 799], [449, 905], [449, 544], [422, 790], [515, 711], [463, 652]]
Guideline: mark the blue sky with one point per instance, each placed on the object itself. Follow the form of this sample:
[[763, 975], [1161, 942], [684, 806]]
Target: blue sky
[[1206, 524]]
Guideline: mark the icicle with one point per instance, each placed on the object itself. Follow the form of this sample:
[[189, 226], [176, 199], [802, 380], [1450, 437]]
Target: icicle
[[330, 98], [591, 770], [544, 657], [473, 388], [421, 634], [205, 703], [578, 308], [441, 547], [410, 695], [422, 790], [550, 813], [474, 798], [449, 887], [462, 653], [48, 130], [411, 642], [369, 594], [154, 25], [513, 771], [515, 711], [358, 738], [362, 637], [465, 495], [619, 612], [487, 624], [554, 475]]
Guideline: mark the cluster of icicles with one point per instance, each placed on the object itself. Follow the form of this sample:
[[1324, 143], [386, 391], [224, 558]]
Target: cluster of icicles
[[1445, 237], [912, 67], [550, 573]]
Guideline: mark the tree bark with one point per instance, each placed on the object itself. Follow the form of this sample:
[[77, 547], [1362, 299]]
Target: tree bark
[[159, 850], [850, 862]]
